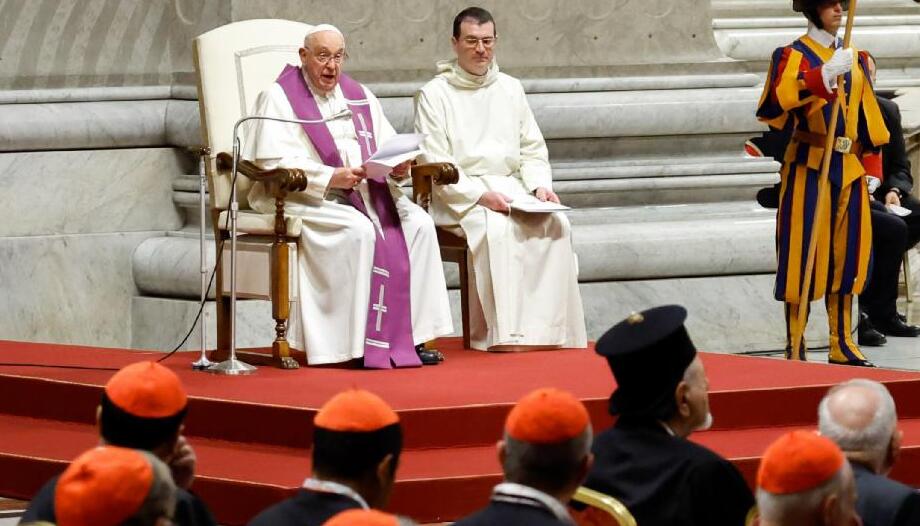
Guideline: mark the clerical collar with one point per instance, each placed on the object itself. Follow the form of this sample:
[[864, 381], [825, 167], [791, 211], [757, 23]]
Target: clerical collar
[[821, 36], [667, 428], [326, 486], [521, 495]]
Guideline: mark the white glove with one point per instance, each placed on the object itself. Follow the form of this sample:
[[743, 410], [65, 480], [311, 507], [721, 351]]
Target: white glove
[[839, 64]]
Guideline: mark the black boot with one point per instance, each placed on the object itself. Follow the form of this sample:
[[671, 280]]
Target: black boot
[[866, 335]]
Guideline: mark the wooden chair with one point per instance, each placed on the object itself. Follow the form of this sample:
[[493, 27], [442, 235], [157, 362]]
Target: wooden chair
[[235, 63], [453, 247], [600, 510]]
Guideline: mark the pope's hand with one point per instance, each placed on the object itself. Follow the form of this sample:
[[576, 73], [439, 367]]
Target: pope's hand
[[496, 201], [182, 463], [347, 178], [839, 64], [545, 194]]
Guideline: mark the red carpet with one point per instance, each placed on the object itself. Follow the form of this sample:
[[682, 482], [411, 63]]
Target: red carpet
[[252, 433]]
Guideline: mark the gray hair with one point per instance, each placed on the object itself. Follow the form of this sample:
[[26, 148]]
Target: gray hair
[[161, 499], [780, 508], [546, 466], [874, 437]]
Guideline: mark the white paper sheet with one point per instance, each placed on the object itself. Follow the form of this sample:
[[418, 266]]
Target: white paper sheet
[[399, 149], [532, 205]]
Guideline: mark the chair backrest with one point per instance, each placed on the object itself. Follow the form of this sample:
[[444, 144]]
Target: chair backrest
[[601, 510], [235, 63]]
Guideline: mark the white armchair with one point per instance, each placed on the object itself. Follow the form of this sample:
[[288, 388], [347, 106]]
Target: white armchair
[[235, 63]]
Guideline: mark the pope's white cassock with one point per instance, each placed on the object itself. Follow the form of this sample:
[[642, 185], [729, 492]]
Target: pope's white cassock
[[524, 289], [337, 241]]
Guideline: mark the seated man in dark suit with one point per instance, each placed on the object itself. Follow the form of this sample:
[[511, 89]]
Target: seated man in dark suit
[[860, 416], [545, 454], [645, 459], [143, 407], [357, 439], [878, 300]]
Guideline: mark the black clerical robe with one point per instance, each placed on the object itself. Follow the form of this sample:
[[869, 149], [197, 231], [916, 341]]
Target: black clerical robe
[[305, 508], [666, 480], [507, 514], [190, 510]]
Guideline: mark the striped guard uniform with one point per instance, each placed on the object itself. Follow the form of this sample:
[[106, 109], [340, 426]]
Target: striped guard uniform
[[795, 90]]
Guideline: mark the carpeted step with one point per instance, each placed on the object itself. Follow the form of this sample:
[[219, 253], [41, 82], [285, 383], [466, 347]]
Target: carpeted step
[[252, 433]]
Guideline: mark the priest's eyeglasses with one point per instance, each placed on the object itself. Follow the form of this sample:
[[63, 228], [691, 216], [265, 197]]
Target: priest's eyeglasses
[[473, 42], [324, 57]]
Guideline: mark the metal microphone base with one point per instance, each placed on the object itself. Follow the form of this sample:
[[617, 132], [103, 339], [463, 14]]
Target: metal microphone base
[[203, 363], [232, 367]]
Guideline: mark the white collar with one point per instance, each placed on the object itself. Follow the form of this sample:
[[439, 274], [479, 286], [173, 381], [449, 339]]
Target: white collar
[[667, 428], [326, 486], [821, 36], [520, 494]]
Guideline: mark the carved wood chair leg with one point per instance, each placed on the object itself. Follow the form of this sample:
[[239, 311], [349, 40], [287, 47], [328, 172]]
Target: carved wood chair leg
[[463, 263], [281, 306]]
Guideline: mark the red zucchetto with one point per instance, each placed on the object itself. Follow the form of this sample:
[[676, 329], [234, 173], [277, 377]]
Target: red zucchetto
[[362, 518], [102, 487], [798, 461], [147, 390], [355, 410], [547, 416]]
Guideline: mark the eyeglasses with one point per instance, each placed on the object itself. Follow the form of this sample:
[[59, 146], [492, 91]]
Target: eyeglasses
[[473, 42], [324, 57]]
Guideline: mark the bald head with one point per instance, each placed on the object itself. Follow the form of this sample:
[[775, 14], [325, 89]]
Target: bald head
[[854, 406], [860, 416]]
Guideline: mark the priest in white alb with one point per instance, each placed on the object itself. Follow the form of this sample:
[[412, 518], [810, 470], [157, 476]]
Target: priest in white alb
[[371, 283], [524, 288]]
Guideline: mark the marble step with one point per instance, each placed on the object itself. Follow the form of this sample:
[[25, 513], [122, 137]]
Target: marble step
[[613, 244]]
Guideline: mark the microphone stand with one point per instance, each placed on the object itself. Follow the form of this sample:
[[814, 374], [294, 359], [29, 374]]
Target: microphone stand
[[203, 362], [233, 366]]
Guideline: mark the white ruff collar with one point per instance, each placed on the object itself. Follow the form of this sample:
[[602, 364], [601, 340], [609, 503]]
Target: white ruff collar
[[821, 36]]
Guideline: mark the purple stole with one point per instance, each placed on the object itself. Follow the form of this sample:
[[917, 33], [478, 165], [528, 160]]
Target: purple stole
[[388, 335]]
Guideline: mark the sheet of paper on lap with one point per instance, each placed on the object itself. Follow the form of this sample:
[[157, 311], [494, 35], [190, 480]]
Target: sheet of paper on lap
[[532, 205], [399, 149]]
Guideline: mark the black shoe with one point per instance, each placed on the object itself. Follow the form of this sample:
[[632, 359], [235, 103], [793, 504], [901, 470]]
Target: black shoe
[[866, 335], [893, 326], [428, 356], [902, 317], [852, 363]]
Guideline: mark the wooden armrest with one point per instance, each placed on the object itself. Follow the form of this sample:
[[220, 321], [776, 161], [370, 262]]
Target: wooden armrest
[[287, 179], [439, 173], [423, 175]]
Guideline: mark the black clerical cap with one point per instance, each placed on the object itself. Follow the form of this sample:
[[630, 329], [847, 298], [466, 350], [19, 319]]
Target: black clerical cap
[[648, 353]]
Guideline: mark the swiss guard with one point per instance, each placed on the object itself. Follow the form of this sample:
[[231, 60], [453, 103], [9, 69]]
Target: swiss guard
[[801, 87]]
